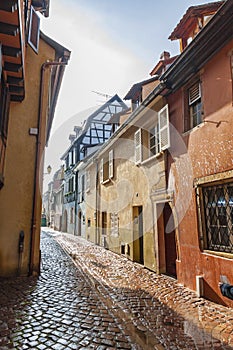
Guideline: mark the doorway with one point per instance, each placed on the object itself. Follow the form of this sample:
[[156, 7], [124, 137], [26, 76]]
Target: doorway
[[138, 251], [169, 241], [65, 221]]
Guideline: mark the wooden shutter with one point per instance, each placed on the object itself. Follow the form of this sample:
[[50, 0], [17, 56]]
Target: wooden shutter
[[164, 133], [101, 171], [34, 30], [110, 164], [138, 146], [194, 93]]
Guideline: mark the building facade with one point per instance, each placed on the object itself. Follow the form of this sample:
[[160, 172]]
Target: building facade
[[31, 74]]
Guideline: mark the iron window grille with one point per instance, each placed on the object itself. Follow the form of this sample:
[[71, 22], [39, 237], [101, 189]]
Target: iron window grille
[[218, 217]]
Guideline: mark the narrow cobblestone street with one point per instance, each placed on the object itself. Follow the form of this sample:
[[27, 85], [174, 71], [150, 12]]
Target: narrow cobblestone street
[[92, 298]]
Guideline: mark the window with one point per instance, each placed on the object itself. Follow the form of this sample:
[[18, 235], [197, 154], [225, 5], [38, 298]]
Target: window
[[34, 30], [217, 217], [193, 115], [72, 215], [107, 167], [114, 224], [155, 139]]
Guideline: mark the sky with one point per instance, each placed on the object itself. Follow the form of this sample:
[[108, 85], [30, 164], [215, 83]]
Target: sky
[[113, 45]]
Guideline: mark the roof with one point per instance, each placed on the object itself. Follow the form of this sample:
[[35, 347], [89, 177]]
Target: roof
[[204, 46], [190, 18], [215, 35], [11, 39], [136, 88], [60, 49], [162, 64], [100, 114]]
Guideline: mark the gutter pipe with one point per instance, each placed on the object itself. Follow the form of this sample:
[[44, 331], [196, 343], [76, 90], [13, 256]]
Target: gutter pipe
[[37, 173]]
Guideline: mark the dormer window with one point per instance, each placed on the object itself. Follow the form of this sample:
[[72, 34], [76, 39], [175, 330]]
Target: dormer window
[[195, 18]]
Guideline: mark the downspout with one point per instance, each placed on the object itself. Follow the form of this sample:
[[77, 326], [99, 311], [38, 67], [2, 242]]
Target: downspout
[[96, 202], [37, 174], [76, 205]]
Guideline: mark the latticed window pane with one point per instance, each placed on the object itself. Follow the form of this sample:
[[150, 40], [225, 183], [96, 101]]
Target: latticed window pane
[[218, 217]]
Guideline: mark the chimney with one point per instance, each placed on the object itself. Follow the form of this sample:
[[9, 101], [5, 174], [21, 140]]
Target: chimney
[[77, 130], [165, 55], [72, 138]]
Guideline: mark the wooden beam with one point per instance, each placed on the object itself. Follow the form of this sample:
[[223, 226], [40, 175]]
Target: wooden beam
[[11, 51], [17, 98], [14, 81], [12, 67], [8, 6], [8, 29], [18, 90]]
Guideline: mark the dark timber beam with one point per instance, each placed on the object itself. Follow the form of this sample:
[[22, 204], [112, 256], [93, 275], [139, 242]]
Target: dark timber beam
[[11, 51], [8, 29], [14, 81], [12, 67], [8, 6], [16, 90]]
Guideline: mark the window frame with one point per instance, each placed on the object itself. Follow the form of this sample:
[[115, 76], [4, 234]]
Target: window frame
[[189, 104], [205, 223], [107, 167], [159, 131]]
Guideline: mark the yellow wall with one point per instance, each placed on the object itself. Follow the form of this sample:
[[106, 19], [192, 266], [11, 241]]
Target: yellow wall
[[16, 197], [130, 187]]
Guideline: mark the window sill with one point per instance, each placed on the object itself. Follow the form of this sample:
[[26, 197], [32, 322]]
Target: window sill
[[105, 181], [219, 254], [151, 159], [185, 133]]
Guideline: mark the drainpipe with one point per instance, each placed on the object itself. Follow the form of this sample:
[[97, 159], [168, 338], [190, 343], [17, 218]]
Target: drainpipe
[[96, 202], [37, 175]]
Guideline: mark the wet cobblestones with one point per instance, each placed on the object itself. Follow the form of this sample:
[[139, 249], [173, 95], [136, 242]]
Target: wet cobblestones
[[155, 307], [61, 310], [100, 300]]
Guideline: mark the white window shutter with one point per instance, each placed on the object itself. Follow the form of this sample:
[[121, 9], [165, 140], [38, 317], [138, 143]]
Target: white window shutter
[[101, 171], [138, 146], [164, 132], [194, 93], [110, 164]]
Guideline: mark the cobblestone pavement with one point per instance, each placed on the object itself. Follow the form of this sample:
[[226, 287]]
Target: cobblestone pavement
[[155, 307], [100, 300], [60, 310]]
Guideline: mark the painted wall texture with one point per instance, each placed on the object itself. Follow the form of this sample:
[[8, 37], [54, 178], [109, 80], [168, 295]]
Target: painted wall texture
[[120, 211], [16, 197], [209, 153]]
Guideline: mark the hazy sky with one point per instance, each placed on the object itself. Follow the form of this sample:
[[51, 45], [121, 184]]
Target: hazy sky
[[113, 44]]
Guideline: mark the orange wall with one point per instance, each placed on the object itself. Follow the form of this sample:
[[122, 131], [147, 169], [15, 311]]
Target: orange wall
[[209, 148]]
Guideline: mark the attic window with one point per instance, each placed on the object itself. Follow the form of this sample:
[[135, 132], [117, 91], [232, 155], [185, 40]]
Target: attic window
[[34, 30]]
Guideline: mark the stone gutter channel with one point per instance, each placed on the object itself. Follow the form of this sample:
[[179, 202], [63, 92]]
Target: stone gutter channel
[[155, 317]]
